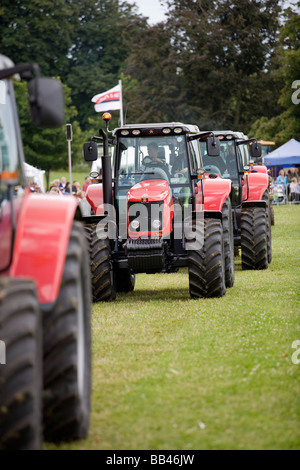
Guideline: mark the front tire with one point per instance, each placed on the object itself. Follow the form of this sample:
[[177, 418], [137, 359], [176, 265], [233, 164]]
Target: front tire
[[102, 272], [207, 265], [254, 238], [21, 376], [67, 348]]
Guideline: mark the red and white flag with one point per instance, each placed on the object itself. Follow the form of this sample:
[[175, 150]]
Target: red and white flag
[[109, 100]]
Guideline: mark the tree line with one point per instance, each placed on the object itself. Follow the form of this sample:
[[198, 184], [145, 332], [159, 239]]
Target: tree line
[[219, 64]]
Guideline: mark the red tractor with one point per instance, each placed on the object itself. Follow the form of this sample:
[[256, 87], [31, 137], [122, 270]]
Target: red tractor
[[157, 212], [252, 211], [45, 292]]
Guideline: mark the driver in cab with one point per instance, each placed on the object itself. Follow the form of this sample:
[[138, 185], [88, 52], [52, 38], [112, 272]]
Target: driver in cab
[[152, 159], [152, 163]]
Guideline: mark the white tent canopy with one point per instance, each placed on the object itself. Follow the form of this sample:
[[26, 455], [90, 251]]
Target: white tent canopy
[[36, 174]]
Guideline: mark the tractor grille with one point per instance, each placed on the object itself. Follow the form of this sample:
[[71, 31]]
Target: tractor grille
[[154, 213]]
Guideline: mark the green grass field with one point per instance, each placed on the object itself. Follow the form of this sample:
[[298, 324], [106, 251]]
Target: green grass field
[[174, 373]]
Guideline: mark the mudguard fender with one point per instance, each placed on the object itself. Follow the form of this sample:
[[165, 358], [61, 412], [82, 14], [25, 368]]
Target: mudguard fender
[[41, 242], [94, 197], [216, 191], [255, 185], [261, 169]]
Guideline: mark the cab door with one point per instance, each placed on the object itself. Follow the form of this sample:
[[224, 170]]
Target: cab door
[[11, 189]]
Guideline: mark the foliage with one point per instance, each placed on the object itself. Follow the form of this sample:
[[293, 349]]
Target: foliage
[[209, 63], [285, 125], [47, 148], [38, 31], [218, 64]]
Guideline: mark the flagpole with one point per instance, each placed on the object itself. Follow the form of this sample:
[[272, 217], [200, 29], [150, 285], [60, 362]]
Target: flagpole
[[121, 102]]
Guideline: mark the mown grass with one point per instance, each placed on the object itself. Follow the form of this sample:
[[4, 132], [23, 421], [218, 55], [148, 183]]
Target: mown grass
[[175, 373]]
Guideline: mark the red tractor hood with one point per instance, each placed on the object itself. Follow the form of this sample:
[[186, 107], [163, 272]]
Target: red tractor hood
[[146, 193], [150, 191]]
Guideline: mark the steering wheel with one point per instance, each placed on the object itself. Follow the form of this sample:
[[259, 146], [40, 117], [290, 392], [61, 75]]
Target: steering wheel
[[212, 169], [156, 170], [179, 175]]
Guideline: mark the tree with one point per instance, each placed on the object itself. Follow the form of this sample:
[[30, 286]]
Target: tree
[[286, 124], [47, 148], [157, 92], [98, 51], [39, 31], [224, 49]]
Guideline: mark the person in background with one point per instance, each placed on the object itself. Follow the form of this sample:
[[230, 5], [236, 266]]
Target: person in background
[[282, 179], [62, 183], [86, 183], [295, 190], [67, 190], [76, 187], [55, 191]]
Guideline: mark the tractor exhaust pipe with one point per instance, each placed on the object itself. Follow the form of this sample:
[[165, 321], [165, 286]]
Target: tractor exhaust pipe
[[106, 171]]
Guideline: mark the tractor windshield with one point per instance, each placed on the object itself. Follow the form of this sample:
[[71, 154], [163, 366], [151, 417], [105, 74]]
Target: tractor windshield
[[146, 158], [226, 164]]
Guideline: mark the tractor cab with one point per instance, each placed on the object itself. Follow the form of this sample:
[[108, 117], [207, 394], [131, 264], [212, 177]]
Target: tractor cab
[[237, 153], [149, 159]]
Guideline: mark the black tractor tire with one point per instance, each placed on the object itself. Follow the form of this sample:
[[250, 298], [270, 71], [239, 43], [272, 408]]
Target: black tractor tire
[[125, 280], [254, 238], [269, 229], [228, 243], [207, 265], [67, 348], [21, 375], [102, 271], [272, 215]]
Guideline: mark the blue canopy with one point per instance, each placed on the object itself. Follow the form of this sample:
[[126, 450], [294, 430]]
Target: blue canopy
[[286, 155]]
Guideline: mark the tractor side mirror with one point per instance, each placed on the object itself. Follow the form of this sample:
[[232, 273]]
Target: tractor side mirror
[[255, 150], [46, 100], [213, 146], [90, 151]]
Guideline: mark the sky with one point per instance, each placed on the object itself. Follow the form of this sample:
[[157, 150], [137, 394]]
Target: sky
[[155, 12], [150, 8]]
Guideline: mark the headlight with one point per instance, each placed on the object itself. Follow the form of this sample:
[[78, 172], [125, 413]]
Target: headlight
[[156, 224], [135, 225]]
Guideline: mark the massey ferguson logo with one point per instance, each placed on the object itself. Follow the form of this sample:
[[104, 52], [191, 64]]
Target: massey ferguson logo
[[2, 353]]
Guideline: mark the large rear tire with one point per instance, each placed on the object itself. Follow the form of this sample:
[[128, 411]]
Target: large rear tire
[[254, 238], [102, 271], [67, 348], [21, 376], [228, 243], [207, 265]]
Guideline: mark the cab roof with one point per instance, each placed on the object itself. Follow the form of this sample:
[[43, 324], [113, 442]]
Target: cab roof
[[157, 128], [234, 134]]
